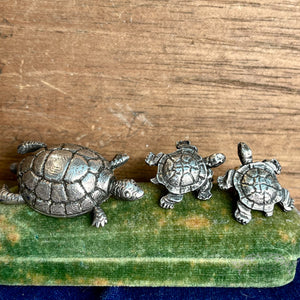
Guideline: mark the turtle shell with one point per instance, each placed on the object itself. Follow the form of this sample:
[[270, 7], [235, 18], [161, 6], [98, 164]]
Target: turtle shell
[[257, 185], [182, 171], [64, 181]]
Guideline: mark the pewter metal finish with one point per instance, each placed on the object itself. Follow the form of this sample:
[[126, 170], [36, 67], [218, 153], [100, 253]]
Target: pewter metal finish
[[257, 186], [68, 180], [184, 171]]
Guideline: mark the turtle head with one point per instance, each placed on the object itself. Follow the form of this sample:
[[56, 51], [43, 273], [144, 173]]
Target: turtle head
[[214, 160], [127, 189], [186, 144], [245, 153]]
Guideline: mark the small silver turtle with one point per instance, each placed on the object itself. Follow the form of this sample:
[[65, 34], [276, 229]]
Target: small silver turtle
[[184, 171], [257, 186], [68, 180]]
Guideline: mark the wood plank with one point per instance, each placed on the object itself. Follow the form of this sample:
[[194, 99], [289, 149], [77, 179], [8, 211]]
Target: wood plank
[[136, 76]]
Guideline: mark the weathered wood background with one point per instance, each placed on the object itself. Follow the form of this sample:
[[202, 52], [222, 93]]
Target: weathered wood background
[[137, 76]]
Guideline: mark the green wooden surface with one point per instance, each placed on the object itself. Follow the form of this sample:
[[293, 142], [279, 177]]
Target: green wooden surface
[[196, 244]]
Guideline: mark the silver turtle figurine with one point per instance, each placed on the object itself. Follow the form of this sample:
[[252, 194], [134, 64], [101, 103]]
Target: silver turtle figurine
[[184, 171], [68, 180], [257, 186]]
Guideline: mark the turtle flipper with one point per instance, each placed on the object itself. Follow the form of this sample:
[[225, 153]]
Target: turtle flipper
[[226, 182], [243, 213], [214, 160], [287, 202], [100, 218], [268, 210], [153, 159], [154, 180], [204, 193], [169, 200], [30, 146], [6, 197], [119, 160]]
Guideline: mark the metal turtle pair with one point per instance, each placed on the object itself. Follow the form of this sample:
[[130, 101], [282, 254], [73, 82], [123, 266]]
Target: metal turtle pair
[[185, 170], [68, 180]]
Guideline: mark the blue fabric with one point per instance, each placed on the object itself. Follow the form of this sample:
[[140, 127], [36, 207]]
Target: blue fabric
[[287, 292]]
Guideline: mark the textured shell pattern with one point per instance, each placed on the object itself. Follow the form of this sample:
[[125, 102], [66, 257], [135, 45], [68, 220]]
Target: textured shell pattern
[[182, 171], [62, 181], [257, 185]]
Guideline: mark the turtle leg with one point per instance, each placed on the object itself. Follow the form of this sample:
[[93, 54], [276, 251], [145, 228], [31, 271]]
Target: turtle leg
[[204, 193], [243, 213], [100, 218], [153, 159], [30, 146], [119, 160], [269, 210], [287, 203], [169, 200], [226, 182], [6, 197]]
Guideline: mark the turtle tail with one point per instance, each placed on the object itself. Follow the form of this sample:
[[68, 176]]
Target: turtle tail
[[215, 160], [14, 168], [30, 146]]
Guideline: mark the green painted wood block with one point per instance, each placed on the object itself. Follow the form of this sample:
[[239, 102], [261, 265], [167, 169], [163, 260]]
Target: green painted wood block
[[198, 243]]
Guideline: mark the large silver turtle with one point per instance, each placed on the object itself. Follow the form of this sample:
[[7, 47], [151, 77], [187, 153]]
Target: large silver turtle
[[68, 180], [184, 171], [257, 186]]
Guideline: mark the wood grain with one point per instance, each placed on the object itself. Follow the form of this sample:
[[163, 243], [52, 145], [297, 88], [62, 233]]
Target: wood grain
[[136, 76]]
